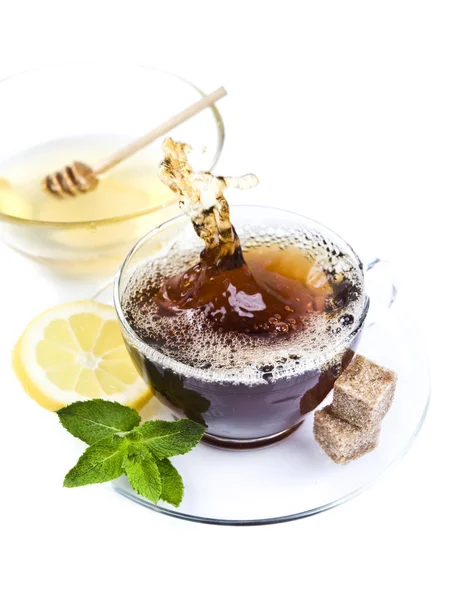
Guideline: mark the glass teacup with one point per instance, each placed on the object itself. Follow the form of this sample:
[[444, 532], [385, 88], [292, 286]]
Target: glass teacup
[[241, 410]]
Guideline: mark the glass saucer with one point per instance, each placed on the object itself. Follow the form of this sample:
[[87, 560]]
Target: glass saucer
[[294, 479]]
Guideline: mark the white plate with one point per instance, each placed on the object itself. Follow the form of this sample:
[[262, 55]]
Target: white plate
[[294, 479]]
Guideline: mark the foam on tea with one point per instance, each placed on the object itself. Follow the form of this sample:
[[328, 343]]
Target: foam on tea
[[258, 313], [191, 340]]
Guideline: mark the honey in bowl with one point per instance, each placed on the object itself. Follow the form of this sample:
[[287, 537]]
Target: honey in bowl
[[130, 188]]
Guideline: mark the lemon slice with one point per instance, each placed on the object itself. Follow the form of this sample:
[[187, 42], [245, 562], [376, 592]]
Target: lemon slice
[[76, 352]]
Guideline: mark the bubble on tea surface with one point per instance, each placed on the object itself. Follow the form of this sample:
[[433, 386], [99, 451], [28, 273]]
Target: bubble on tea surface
[[187, 342]]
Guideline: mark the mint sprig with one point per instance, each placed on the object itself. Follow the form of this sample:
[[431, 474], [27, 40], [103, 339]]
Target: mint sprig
[[119, 444]]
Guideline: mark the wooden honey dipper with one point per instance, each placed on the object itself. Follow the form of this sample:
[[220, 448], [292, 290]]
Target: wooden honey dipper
[[79, 178]]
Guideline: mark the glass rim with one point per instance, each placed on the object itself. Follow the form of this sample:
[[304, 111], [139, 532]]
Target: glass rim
[[110, 220], [194, 370]]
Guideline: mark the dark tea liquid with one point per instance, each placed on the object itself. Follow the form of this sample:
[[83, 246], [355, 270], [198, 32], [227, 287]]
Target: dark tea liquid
[[245, 384], [268, 294], [246, 339]]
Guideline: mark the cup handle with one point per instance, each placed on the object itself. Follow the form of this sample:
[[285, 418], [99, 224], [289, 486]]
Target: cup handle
[[380, 288]]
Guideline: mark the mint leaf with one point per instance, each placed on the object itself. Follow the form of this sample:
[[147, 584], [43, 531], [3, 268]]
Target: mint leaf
[[119, 444], [94, 420], [168, 438], [99, 463], [143, 475], [172, 487]]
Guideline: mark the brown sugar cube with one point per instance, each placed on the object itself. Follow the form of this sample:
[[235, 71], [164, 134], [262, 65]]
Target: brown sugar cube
[[363, 393], [341, 441]]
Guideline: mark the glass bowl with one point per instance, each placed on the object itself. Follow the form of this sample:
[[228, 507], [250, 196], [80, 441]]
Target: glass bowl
[[80, 99]]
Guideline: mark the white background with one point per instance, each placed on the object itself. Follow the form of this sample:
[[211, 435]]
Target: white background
[[356, 113]]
